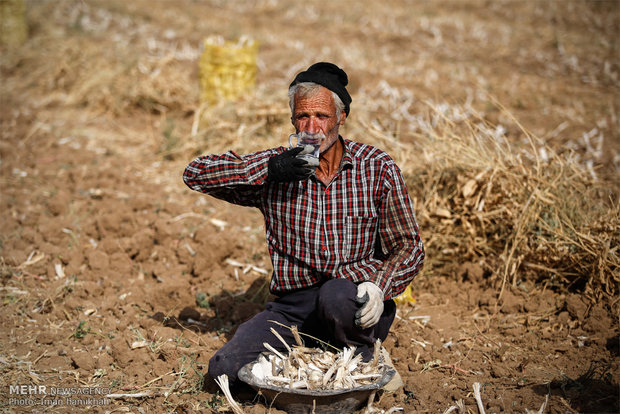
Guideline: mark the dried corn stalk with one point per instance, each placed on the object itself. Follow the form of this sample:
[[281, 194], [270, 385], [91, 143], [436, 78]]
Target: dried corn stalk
[[222, 382], [316, 369]]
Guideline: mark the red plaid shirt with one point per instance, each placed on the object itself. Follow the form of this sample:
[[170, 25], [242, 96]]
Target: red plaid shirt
[[316, 232]]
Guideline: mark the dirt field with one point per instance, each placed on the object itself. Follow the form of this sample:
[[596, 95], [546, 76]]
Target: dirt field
[[116, 276]]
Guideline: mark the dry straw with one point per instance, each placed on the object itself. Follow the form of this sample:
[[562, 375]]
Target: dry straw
[[481, 198]]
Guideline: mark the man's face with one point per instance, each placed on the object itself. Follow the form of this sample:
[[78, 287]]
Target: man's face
[[317, 114]]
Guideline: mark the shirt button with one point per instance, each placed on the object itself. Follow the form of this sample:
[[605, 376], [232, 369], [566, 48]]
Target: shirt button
[[327, 191], [324, 248]]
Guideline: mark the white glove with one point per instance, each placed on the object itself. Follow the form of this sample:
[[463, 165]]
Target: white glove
[[371, 296]]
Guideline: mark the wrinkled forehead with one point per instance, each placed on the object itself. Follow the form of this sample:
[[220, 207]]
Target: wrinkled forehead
[[315, 98]]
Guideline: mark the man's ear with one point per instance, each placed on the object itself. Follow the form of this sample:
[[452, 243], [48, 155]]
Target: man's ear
[[343, 117]]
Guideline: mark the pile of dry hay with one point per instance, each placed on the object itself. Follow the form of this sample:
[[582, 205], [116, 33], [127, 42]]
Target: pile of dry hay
[[526, 213]]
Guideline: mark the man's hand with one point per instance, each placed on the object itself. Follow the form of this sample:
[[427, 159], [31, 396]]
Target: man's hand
[[287, 167], [370, 296]]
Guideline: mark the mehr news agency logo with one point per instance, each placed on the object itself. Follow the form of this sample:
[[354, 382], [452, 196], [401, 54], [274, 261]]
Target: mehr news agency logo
[[42, 395]]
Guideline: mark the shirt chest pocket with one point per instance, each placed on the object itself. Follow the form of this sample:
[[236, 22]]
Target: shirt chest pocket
[[360, 234]]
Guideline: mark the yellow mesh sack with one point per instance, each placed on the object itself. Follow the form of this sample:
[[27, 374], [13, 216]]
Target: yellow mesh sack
[[227, 68], [13, 28]]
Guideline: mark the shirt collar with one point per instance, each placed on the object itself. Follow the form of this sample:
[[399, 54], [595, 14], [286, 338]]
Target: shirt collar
[[347, 159]]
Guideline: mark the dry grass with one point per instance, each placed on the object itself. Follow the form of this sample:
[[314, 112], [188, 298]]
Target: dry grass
[[525, 211]]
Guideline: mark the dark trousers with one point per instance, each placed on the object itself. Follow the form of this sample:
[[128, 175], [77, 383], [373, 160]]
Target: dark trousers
[[326, 312]]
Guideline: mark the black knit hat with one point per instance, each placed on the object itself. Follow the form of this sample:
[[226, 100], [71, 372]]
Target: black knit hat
[[330, 76]]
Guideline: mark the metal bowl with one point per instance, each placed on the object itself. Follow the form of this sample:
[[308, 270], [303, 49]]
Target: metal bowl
[[302, 401]]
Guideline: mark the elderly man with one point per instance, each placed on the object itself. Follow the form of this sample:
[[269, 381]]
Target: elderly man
[[342, 234]]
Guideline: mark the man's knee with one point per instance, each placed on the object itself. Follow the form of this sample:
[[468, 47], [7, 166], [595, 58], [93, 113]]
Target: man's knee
[[220, 364], [335, 291], [337, 299], [245, 345], [238, 351], [337, 308]]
